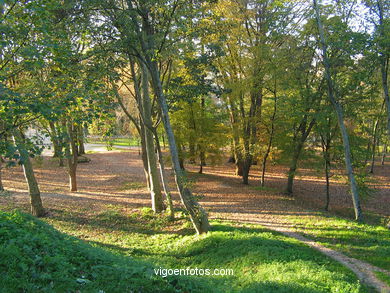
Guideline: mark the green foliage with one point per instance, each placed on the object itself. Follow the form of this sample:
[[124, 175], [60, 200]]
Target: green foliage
[[39, 258]]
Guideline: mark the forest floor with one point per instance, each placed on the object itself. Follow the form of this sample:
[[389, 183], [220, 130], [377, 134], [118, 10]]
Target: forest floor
[[116, 179]]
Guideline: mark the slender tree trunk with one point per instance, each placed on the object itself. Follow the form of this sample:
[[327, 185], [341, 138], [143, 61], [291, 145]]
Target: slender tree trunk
[[144, 155], [327, 168], [374, 144], [202, 155], [325, 143], [155, 188], [340, 117], [271, 137], [192, 152], [384, 155], [181, 157], [164, 179], [33, 188], [202, 160], [384, 61], [55, 140], [197, 213], [71, 155], [80, 140]]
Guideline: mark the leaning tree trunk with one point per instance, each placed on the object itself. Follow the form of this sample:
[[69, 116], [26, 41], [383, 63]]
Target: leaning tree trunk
[[164, 178], [33, 188], [340, 117], [197, 213], [155, 188], [374, 144]]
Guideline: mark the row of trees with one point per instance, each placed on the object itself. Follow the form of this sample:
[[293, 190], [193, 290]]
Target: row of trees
[[271, 80]]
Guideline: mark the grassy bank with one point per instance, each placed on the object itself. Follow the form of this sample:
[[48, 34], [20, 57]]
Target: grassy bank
[[370, 243], [122, 249]]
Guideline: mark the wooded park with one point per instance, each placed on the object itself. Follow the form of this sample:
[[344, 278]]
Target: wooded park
[[194, 146]]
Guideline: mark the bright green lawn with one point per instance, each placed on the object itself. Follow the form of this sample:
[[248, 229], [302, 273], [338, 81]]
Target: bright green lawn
[[370, 243], [116, 141], [125, 247]]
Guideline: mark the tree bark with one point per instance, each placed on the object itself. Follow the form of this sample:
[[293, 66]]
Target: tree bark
[[144, 155], [384, 61], [384, 155], [164, 179], [155, 188], [33, 188], [374, 144], [271, 137], [293, 167], [197, 214], [325, 143], [340, 117], [145, 35], [80, 140], [71, 154]]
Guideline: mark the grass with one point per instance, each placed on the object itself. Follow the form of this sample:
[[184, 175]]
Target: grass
[[123, 247], [38, 258], [115, 141], [382, 276], [132, 185], [265, 188], [370, 243]]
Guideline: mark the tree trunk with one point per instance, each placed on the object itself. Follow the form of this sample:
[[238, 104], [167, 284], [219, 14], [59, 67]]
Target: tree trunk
[[197, 213], [57, 152], [384, 155], [71, 154], [374, 144], [80, 140], [325, 143], [191, 152], [293, 167], [144, 155], [164, 179], [155, 188], [384, 61], [202, 160], [33, 188], [340, 117], [181, 157], [239, 166], [271, 137], [246, 166]]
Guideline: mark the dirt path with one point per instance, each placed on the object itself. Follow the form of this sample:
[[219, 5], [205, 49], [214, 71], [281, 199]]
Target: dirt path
[[116, 178]]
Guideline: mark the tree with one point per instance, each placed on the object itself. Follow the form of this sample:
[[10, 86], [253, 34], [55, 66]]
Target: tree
[[339, 112]]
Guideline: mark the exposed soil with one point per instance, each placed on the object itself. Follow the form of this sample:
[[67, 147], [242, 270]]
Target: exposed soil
[[117, 178]]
